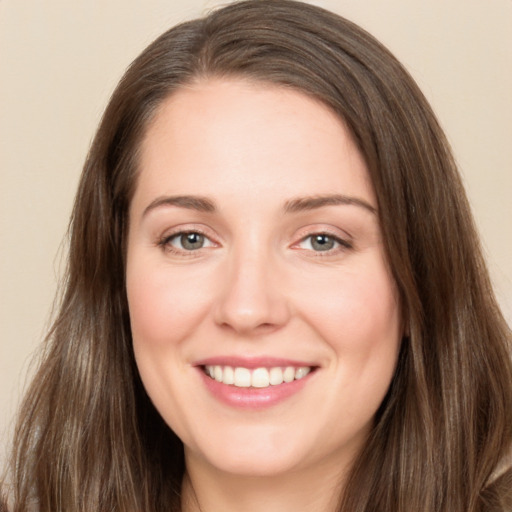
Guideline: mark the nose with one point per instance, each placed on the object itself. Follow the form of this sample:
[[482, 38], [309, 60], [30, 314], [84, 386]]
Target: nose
[[252, 296]]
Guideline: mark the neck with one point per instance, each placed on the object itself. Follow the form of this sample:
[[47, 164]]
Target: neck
[[207, 489]]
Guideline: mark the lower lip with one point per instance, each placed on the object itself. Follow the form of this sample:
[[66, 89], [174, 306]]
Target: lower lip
[[253, 398]]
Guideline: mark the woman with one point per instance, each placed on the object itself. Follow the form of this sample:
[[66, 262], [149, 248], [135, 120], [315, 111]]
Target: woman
[[275, 294]]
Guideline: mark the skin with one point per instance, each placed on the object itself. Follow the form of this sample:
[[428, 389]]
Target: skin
[[259, 287]]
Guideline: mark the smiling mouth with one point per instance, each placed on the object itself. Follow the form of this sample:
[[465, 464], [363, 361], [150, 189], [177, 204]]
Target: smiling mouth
[[241, 377]]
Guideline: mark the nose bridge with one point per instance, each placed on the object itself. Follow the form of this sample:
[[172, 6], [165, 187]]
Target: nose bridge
[[251, 298]]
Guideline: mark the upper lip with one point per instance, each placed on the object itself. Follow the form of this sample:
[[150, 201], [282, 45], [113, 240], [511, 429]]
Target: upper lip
[[252, 362]]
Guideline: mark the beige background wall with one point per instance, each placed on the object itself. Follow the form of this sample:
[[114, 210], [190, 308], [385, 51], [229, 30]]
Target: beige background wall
[[60, 59]]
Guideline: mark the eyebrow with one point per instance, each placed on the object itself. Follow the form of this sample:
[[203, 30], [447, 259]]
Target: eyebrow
[[313, 202], [198, 203], [298, 204]]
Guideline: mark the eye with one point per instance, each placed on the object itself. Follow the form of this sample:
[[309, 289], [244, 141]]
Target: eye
[[322, 242], [186, 241]]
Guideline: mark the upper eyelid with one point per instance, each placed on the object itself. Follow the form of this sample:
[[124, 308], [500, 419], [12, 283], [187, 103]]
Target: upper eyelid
[[343, 242], [177, 236], [192, 228], [322, 229]]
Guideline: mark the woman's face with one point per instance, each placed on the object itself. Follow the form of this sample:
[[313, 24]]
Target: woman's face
[[255, 256]]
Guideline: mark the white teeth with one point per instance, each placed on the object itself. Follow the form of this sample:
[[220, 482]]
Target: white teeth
[[289, 374], [257, 378], [242, 378], [276, 376], [228, 375], [301, 372], [260, 378]]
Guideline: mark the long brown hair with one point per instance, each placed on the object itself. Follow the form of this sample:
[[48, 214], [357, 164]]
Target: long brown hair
[[89, 439]]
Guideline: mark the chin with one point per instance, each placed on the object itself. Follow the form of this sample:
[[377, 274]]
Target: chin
[[264, 452], [251, 465], [247, 451]]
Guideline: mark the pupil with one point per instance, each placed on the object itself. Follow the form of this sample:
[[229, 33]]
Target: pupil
[[192, 241], [322, 242]]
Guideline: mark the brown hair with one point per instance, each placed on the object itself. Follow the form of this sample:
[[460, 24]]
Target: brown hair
[[89, 438]]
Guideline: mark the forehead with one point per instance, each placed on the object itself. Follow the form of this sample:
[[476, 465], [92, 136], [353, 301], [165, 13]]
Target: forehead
[[239, 137]]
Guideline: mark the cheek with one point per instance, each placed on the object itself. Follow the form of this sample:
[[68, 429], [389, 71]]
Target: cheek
[[357, 313], [164, 309], [356, 305], [164, 306], [358, 317], [152, 308]]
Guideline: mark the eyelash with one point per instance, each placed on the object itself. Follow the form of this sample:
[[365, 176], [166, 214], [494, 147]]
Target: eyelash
[[340, 244], [165, 242]]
